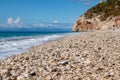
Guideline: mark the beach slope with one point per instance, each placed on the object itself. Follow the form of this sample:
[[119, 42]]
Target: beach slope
[[88, 56]]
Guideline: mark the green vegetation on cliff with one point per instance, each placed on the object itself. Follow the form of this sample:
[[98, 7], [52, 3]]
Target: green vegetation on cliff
[[105, 10]]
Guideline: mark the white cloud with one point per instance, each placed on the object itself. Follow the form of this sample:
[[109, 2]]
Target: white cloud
[[10, 21], [56, 21], [54, 25], [87, 2], [15, 23], [39, 25], [43, 25]]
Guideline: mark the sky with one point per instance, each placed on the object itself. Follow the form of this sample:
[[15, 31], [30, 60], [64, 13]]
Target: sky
[[21, 13]]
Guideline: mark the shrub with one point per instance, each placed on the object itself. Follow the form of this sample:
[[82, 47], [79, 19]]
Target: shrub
[[106, 9]]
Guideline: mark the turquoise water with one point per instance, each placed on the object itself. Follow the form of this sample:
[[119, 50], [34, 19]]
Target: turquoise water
[[11, 34], [12, 43]]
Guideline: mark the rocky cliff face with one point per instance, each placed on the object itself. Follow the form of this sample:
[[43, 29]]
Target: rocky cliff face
[[103, 16], [83, 24]]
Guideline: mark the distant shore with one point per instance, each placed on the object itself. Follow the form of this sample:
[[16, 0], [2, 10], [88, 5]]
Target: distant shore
[[89, 56]]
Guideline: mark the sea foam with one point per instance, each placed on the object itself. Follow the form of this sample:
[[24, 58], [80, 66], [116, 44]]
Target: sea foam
[[14, 45]]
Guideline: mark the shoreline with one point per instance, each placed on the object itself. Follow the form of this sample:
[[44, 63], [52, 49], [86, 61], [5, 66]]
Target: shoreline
[[93, 55], [29, 49], [16, 47]]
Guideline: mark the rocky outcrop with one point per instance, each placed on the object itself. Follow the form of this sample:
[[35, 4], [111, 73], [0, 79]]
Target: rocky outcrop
[[84, 24], [105, 15]]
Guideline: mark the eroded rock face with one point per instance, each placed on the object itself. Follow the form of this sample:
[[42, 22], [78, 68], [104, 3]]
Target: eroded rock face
[[84, 24]]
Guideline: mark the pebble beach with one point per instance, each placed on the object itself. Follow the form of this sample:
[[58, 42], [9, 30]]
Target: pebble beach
[[88, 56]]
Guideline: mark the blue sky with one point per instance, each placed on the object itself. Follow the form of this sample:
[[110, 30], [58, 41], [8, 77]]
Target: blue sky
[[31, 12]]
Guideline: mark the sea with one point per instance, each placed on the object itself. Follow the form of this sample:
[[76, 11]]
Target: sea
[[12, 43]]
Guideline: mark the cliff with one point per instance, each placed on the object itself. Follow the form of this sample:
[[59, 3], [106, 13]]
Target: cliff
[[105, 15]]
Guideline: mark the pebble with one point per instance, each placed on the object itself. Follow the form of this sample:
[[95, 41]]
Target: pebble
[[64, 63], [20, 78], [88, 56], [33, 74], [55, 70]]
